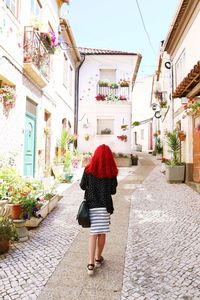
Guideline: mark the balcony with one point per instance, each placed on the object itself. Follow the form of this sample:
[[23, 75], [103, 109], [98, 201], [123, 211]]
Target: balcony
[[113, 93], [36, 57]]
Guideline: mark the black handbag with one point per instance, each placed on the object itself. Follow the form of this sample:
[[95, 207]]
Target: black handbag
[[83, 216]]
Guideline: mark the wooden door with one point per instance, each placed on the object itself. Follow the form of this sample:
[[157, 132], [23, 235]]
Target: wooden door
[[196, 152]]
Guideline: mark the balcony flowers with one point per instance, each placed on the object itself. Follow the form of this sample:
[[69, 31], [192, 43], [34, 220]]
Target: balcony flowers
[[49, 40], [112, 98], [7, 98], [104, 83], [124, 83], [114, 86], [122, 137], [100, 97], [192, 108], [123, 98]]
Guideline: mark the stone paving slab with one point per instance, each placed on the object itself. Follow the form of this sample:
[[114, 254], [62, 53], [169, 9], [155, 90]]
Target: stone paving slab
[[26, 268], [163, 250], [107, 281]]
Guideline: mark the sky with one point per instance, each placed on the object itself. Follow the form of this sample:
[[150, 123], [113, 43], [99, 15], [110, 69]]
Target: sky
[[117, 25]]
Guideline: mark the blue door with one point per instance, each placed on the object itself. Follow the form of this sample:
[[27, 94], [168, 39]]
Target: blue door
[[29, 145]]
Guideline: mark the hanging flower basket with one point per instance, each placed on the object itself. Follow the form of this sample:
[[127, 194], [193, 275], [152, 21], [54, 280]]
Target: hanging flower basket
[[49, 41], [122, 137], [8, 99], [86, 137], [124, 127], [192, 108]]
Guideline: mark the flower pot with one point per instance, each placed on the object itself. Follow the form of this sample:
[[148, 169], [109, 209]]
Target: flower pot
[[4, 245], [53, 202], [175, 174], [182, 137], [15, 211]]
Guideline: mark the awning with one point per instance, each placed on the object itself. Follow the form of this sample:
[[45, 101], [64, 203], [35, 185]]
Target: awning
[[189, 83]]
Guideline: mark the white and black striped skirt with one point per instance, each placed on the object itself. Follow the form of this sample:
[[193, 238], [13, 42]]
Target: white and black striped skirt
[[100, 220]]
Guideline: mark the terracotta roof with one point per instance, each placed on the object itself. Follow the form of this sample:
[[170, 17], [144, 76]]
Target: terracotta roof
[[188, 83], [91, 51]]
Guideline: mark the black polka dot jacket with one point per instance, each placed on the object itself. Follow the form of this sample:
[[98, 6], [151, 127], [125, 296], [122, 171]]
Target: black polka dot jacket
[[98, 191]]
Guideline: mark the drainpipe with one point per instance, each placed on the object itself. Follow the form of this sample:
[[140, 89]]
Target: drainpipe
[[77, 73], [171, 95]]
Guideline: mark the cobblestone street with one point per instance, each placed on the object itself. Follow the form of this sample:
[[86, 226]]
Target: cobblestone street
[[161, 251]]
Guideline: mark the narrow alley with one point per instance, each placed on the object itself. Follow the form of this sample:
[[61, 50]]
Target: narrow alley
[[151, 253]]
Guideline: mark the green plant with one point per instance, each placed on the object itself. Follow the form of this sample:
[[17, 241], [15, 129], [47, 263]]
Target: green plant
[[159, 147], [106, 131], [136, 123], [7, 229], [67, 162], [114, 85], [174, 145], [104, 83]]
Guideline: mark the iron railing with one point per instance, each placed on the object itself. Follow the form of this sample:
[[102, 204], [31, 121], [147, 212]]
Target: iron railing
[[35, 52], [122, 93]]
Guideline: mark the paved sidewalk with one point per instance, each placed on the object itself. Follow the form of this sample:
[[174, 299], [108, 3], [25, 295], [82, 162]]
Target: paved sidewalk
[[163, 251], [70, 280], [152, 252], [26, 268]]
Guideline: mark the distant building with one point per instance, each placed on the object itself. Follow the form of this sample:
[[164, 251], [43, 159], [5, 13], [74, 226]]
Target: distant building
[[106, 79]]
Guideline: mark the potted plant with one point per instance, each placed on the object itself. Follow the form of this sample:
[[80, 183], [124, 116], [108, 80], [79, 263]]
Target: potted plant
[[181, 135], [134, 160], [159, 147], [106, 131], [122, 137], [87, 137], [175, 170], [192, 107], [49, 40], [124, 127], [100, 97], [124, 83], [122, 98], [104, 83], [8, 232], [7, 98], [68, 175], [114, 86], [135, 123]]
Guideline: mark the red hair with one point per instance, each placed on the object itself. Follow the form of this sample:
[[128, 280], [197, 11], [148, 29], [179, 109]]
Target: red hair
[[102, 164]]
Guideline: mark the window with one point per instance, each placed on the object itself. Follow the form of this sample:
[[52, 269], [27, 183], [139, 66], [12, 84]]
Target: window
[[65, 71], [142, 134], [109, 74], [12, 5], [36, 9], [180, 68], [105, 126]]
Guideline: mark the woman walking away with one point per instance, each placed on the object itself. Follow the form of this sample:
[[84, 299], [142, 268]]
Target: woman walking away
[[99, 182]]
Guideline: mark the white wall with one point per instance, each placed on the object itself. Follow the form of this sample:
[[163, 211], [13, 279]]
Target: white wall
[[55, 98], [141, 110], [90, 109]]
